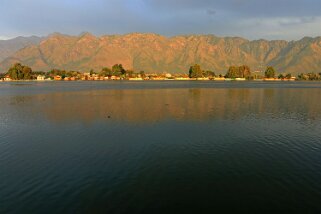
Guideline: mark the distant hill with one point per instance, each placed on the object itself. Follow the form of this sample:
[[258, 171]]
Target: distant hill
[[156, 53], [9, 47]]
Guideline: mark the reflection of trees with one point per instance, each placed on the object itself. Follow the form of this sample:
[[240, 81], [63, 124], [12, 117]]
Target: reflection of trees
[[153, 105]]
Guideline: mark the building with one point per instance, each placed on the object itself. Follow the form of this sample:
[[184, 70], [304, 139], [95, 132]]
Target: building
[[168, 75], [57, 78], [158, 78], [181, 78], [240, 79], [135, 78], [114, 78], [40, 78], [219, 78], [7, 78], [203, 78]]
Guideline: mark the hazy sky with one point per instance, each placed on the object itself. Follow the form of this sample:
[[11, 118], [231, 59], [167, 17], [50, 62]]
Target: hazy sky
[[253, 19]]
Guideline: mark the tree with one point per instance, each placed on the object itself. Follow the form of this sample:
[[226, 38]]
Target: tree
[[55, 72], [72, 73], [105, 72], [244, 72], [269, 72], [20, 72], [288, 76], [302, 76], [118, 70], [130, 73], [281, 76], [142, 74], [208, 74], [195, 71], [233, 72]]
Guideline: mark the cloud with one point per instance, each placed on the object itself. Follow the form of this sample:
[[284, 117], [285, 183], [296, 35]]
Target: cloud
[[210, 12], [271, 19], [246, 8]]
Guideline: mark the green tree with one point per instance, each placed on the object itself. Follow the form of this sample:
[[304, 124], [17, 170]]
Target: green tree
[[105, 72], [233, 72], [195, 71], [20, 72], [208, 73], [269, 72], [302, 76], [130, 73], [142, 74], [244, 72], [281, 76], [313, 76], [118, 70], [288, 76], [55, 72]]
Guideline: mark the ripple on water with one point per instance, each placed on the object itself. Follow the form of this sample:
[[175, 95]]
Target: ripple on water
[[208, 147]]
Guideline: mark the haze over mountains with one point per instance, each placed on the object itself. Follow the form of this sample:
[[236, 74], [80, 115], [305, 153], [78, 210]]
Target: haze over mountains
[[156, 53], [9, 47]]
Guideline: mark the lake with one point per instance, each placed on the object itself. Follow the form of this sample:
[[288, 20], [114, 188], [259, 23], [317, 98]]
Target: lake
[[160, 147]]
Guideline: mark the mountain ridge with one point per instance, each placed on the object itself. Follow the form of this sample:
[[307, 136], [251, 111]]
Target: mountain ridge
[[10, 46], [157, 53]]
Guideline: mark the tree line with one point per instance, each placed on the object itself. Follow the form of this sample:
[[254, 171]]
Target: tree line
[[310, 76], [233, 72], [23, 72]]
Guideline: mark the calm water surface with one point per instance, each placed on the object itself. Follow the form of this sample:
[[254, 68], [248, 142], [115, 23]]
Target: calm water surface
[[160, 147]]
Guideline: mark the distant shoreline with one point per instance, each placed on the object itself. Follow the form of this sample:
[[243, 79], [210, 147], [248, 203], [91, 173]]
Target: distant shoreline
[[178, 80]]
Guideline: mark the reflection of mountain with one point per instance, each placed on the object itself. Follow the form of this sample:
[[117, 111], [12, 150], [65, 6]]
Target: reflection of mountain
[[177, 104]]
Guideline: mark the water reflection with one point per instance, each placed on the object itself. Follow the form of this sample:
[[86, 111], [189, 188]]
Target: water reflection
[[155, 105], [159, 149]]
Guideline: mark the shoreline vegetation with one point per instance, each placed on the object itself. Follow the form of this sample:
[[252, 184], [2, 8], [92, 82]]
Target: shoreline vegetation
[[19, 72]]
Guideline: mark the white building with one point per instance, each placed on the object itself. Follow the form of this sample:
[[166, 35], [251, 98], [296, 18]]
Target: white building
[[40, 78], [7, 78]]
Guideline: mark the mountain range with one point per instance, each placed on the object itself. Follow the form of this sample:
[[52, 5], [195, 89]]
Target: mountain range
[[9, 47], [157, 53]]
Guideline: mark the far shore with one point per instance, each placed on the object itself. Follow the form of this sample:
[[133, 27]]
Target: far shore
[[162, 79]]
